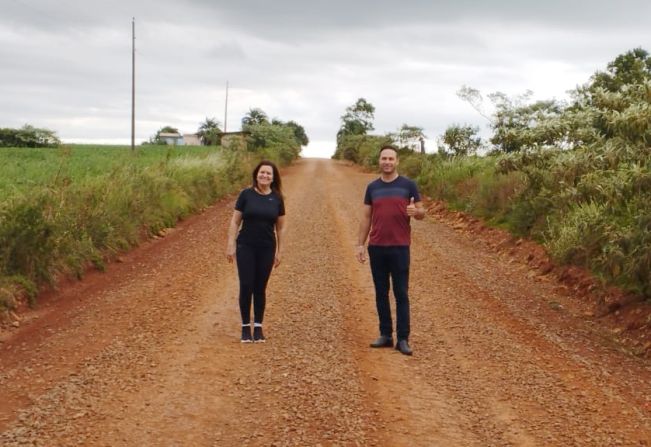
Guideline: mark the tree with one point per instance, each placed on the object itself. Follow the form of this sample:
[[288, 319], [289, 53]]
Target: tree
[[299, 132], [358, 119], [409, 137], [255, 116], [28, 136], [275, 138], [156, 139], [632, 67], [168, 129], [518, 124], [362, 149], [614, 95], [597, 99], [473, 97], [209, 132], [283, 138], [460, 140]]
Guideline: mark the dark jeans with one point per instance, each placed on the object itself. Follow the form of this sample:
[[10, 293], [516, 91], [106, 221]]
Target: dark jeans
[[391, 262], [254, 266]]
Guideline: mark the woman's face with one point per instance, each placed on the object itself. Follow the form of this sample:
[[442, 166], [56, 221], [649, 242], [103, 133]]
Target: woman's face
[[265, 175]]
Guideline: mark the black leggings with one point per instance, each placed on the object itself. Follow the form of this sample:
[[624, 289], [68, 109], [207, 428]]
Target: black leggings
[[254, 266]]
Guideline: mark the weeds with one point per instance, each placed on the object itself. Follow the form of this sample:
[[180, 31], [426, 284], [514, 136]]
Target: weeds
[[73, 207]]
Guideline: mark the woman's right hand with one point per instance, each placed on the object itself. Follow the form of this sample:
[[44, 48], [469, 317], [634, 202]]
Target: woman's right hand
[[236, 220], [230, 252]]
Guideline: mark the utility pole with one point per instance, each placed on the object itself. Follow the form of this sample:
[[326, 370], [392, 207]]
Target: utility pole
[[226, 108], [133, 83]]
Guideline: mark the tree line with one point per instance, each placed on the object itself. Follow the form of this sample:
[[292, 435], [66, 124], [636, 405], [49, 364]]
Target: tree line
[[256, 124], [260, 132], [517, 123]]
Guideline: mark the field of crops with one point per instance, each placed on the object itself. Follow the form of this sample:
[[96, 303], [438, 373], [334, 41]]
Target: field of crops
[[22, 169]]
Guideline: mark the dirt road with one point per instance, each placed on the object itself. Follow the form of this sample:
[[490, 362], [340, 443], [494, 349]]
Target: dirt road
[[148, 354]]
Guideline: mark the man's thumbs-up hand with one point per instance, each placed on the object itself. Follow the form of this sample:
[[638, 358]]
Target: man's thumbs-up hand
[[411, 208]]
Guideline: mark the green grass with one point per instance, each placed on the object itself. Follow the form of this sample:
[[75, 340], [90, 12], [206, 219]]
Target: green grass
[[64, 209], [22, 169]]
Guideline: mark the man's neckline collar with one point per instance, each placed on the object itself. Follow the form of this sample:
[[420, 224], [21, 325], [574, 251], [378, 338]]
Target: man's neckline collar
[[390, 181]]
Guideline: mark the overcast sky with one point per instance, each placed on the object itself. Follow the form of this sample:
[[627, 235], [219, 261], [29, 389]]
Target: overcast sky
[[66, 64]]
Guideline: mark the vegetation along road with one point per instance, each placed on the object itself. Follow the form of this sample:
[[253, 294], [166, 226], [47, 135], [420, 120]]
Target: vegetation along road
[[148, 353]]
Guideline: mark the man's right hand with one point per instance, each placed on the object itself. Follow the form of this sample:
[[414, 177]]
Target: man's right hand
[[361, 254]]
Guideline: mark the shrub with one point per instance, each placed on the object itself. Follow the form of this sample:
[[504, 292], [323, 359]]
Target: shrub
[[28, 136]]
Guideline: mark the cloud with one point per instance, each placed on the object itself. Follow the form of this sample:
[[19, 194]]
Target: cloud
[[68, 64]]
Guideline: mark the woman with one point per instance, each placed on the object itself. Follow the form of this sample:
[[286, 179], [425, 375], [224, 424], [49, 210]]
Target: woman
[[261, 212]]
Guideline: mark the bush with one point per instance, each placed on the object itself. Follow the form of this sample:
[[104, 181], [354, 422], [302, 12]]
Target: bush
[[28, 237], [361, 149], [28, 136], [411, 164]]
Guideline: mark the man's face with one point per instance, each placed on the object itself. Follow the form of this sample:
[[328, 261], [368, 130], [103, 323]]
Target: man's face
[[388, 161]]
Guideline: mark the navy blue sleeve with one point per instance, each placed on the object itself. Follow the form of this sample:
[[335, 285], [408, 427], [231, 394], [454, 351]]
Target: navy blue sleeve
[[367, 196], [241, 201], [281, 208], [414, 191]]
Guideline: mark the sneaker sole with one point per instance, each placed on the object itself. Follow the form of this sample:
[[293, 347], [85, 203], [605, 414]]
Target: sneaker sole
[[259, 341], [246, 341]]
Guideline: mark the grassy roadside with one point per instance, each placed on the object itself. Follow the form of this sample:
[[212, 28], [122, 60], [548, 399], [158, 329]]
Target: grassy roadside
[[586, 214], [62, 210]]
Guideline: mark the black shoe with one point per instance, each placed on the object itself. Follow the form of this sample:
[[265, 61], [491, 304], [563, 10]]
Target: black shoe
[[403, 347], [246, 335], [384, 341], [258, 336]]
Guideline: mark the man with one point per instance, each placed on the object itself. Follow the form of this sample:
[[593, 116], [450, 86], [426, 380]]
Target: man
[[389, 204]]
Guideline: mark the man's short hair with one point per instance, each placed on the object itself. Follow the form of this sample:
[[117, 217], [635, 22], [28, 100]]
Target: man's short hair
[[388, 146]]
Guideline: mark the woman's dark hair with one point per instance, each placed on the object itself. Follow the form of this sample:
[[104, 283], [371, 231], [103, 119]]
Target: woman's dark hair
[[276, 183]]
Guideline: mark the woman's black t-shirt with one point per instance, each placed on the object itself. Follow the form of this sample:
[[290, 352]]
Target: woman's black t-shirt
[[259, 215]]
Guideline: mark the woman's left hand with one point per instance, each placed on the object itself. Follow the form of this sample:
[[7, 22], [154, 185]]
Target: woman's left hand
[[277, 260]]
